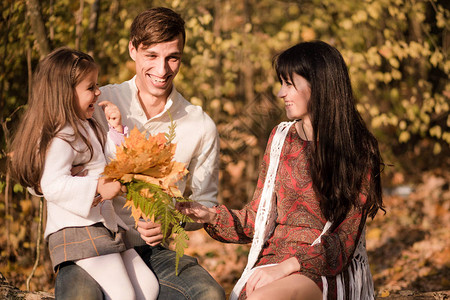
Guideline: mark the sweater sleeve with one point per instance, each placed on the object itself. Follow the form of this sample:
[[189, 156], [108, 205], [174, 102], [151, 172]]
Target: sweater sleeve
[[237, 226], [114, 139], [336, 248], [72, 193]]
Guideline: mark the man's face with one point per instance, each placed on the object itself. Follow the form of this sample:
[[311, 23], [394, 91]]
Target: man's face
[[156, 67]]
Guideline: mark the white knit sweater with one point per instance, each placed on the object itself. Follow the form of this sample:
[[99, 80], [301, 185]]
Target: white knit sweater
[[197, 142], [69, 198]]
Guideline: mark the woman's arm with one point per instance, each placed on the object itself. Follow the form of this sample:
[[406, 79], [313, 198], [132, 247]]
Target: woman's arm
[[336, 248], [238, 226], [230, 225]]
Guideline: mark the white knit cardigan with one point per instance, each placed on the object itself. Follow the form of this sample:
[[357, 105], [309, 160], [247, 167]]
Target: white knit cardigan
[[360, 285]]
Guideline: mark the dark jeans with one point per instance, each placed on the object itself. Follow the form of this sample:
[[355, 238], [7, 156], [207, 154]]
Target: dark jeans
[[193, 282]]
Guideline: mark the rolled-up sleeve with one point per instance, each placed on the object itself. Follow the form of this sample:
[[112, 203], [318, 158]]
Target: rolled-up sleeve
[[204, 167]]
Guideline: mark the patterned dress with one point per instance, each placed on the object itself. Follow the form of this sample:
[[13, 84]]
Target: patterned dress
[[299, 220]]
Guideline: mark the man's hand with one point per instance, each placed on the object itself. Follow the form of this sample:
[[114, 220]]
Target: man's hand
[[150, 232], [112, 114]]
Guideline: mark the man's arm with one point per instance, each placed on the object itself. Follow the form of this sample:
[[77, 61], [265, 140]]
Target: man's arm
[[203, 181]]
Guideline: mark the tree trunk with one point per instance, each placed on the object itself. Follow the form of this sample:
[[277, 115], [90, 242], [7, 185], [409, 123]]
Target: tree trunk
[[51, 26], [93, 26], [78, 27], [113, 10], [38, 27], [247, 68], [7, 291], [217, 31]]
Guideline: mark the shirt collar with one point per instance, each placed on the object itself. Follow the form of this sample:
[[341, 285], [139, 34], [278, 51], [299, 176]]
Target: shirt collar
[[169, 103]]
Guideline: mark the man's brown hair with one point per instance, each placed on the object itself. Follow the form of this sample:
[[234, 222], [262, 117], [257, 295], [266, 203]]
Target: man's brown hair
[[156, 25]]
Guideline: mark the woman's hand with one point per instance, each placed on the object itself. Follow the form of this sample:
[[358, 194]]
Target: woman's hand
[[197, 212], [267, 275], [112, 114]]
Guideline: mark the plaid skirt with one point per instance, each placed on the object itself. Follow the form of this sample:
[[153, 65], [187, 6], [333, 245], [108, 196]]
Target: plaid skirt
[[74, 243]]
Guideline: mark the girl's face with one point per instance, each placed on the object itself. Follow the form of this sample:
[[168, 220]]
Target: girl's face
[[296, 97], [86, 94]]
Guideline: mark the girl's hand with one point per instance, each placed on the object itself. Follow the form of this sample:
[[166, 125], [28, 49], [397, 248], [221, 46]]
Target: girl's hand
[[112, 114], [97, 199], [264, 276], [108, 188], [197, 212], [78, 170]]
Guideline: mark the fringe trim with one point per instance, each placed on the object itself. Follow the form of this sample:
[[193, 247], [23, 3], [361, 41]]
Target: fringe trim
[[359, 276], [264, 222]]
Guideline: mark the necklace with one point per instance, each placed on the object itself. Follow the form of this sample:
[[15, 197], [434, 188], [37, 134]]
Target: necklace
[[303, 129]]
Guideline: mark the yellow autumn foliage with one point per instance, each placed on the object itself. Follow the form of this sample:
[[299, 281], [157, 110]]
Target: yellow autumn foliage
[[150, 160]]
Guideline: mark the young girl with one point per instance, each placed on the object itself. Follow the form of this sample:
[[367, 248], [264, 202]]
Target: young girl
[[319, 180], [57, 132]]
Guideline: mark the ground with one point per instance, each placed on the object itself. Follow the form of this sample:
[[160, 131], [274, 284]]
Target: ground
[[408, 248]]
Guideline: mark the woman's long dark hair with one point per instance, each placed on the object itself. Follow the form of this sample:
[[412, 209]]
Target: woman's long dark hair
[[346, 160]]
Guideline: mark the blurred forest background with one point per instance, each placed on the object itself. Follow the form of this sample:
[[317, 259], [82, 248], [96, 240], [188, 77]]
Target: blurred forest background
[[397, 52]]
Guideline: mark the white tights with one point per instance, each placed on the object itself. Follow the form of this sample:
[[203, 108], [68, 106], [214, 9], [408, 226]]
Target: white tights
[[122, 276]]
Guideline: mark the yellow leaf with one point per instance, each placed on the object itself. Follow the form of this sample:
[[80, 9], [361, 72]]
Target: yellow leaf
[[136, 213], [147, 159], [150, 156]]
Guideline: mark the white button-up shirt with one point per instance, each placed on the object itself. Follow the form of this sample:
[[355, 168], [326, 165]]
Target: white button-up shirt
[[196, 138]]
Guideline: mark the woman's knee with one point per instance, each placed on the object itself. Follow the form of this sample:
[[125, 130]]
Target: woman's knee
[[295, 286]]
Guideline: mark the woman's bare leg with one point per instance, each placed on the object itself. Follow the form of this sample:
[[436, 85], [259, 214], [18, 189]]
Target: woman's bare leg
[[292, 287]]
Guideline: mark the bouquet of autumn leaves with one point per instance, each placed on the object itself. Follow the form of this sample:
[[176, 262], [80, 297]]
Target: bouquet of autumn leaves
[[147, 169]]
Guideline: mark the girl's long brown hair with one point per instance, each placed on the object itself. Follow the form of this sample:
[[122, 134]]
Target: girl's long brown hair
[[52, 105]]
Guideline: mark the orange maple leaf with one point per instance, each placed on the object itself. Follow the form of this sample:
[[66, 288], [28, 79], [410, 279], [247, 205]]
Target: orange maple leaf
[[148, 159]]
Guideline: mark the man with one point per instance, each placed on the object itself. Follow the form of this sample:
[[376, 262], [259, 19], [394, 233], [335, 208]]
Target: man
[[156, 45]]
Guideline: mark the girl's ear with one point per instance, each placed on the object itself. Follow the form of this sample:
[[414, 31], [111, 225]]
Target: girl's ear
[[132, 51]]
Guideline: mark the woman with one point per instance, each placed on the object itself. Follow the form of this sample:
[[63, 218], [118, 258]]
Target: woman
[[319, 181]]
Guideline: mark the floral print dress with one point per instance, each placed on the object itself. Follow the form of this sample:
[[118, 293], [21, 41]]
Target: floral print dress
[[299, 220]]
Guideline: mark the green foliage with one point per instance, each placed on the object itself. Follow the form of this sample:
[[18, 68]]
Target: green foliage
[[161, 208], [171, 134], [18, 188], [180, 242], [396, 50]]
